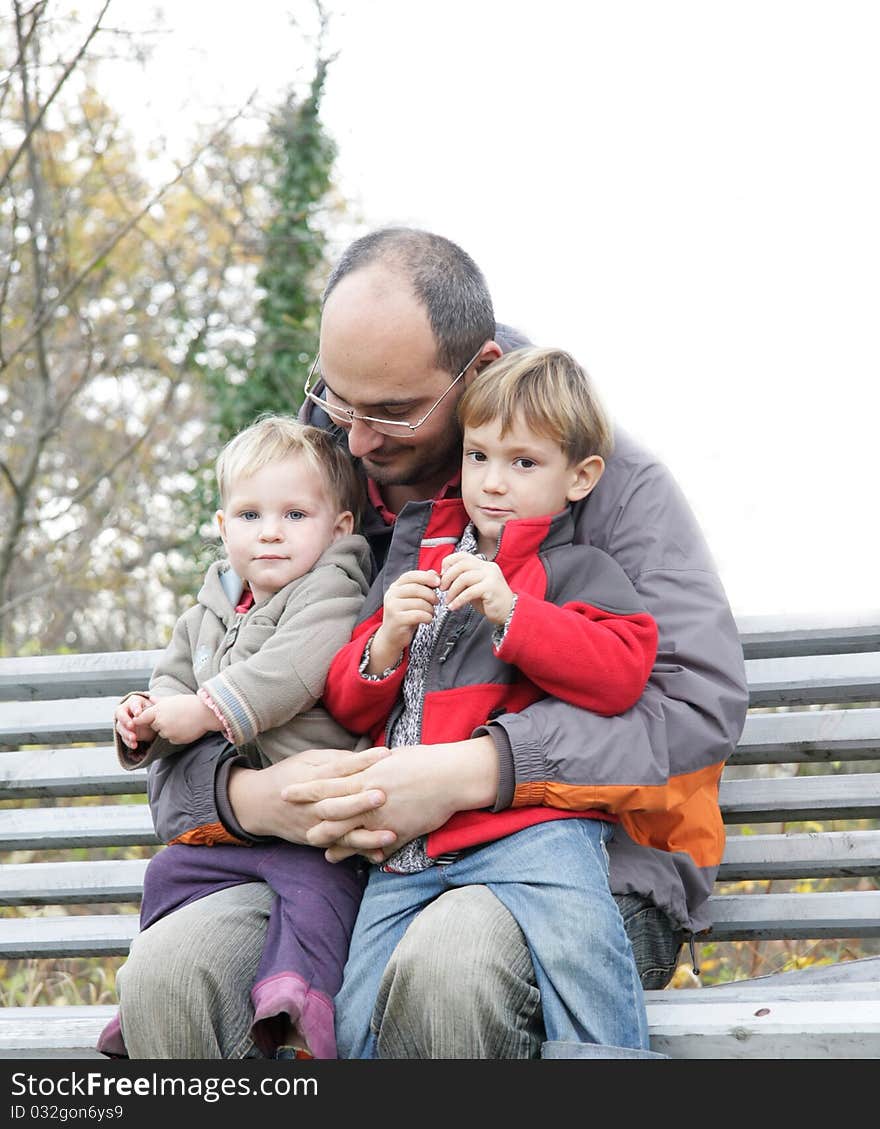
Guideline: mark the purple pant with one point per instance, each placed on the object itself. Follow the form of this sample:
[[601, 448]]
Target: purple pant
[[307, 939]]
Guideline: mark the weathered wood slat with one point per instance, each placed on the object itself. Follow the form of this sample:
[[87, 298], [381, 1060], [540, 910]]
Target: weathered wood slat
[[34, 829], [736, 917], [61, 883], [831, 854], [742, 917], [65, 1032], [68, 721], [817, 1027], [854, 795], [91, 771], [809, 735], [681, 1024], [67, 935], [843, 854], [777, 636], [48, 677], [814, 680]]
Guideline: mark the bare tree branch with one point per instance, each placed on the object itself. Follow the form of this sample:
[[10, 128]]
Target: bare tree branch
[[68, 70], [113, 241]]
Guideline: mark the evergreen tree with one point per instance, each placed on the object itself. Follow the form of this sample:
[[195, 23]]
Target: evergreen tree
[[300, 160]]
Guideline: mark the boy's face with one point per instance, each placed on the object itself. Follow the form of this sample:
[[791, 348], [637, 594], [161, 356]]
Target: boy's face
[[519, 475], [277, 523]]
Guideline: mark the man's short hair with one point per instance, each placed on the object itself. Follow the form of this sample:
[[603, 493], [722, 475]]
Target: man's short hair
[[272, 438], [553, 394], [444, 278]]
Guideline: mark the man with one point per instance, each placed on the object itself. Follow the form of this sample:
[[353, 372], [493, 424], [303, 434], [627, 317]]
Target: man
[[406, 323]]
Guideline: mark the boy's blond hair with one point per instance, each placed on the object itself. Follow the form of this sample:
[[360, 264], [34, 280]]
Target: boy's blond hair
[[553, 394], [272, 438]]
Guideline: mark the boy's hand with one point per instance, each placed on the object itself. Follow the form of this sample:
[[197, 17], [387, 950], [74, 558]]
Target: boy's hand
[[129, 720], [409, 601], [180, 718], [467, 579]]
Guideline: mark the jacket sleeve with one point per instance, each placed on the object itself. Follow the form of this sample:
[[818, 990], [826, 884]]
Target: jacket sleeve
[[592, 658], [362, 705], [187, 791], [672, 742], [286, 675], [172, 674]]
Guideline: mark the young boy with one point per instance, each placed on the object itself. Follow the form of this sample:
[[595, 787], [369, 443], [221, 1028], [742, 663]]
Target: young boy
[[249, 661], [513, 613]]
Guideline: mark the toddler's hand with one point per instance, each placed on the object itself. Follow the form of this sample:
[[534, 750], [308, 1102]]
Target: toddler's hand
[[180, 718], [130, 724]]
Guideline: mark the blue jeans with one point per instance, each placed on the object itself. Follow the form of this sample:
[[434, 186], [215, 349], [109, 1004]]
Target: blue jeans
[[553, 878]]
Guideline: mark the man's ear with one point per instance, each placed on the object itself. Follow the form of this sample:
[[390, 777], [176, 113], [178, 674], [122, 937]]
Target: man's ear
[[585, 475], [221, 524], [490, 352], [344, 525]]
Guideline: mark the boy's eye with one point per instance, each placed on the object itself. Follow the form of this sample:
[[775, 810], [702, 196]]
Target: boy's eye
[[475, 456], [295, 515], [249, 515], [524, 463]]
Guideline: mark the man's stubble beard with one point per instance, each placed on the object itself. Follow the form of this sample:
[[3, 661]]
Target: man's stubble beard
[[429, 462]]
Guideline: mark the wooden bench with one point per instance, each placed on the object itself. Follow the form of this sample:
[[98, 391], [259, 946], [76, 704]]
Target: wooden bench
[[810, 723]]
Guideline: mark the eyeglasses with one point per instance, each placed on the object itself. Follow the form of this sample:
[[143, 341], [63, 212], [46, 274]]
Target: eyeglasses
[[347, 416]]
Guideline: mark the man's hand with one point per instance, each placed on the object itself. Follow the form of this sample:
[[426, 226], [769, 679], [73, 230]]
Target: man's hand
[[467, 579], [409, 601], [179, 718], [255, 795], [423, 786], [130, 724]]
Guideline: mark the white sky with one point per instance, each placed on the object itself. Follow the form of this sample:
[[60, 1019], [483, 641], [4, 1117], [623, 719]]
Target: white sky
[[684, 193]]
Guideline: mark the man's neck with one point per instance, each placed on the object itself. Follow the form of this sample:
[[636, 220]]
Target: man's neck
[[396, 497]]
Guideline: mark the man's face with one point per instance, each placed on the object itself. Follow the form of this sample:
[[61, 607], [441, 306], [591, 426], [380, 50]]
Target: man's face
[[378, 356]]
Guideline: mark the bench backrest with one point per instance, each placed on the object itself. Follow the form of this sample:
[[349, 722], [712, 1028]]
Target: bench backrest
[[807, 760]]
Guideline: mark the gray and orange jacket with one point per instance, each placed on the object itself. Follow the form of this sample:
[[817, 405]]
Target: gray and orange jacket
[[578, 632], [657, 765]]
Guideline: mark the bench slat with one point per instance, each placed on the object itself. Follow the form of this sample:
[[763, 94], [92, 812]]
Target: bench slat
[[67, 772], [61, 883], [35, 1032], [47, 677], [67, 721], [751, 917], [680, 1027], [772, 682], [815, 1027], [736, 917], [814, 679], [35, 829], [67, 935], [812, 735], [831, 854], [781, 636], [842, 854], [854, 795]]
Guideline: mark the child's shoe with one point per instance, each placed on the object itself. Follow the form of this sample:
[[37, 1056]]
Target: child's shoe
[[285, 1052]]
